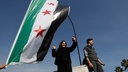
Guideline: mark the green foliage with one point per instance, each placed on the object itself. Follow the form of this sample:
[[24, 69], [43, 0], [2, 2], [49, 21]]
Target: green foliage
[[118, 69], [124, 65]]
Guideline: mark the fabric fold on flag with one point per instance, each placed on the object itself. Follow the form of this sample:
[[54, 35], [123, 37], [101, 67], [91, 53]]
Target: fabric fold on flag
[[60, 15], [37, 31]]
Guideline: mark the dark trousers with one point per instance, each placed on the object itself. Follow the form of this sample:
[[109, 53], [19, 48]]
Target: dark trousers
[[96, 67], [64, 68]]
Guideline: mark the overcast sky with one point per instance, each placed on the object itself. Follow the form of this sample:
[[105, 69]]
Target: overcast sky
[[104, 20]]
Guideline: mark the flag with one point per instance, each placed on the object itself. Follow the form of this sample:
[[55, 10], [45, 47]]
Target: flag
[[36, 32]]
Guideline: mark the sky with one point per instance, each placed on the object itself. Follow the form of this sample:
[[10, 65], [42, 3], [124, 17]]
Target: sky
[[105, 21]]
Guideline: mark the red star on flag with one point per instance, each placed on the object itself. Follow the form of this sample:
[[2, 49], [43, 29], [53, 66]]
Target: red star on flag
[[39, 31], [51, 4], [46, 12]]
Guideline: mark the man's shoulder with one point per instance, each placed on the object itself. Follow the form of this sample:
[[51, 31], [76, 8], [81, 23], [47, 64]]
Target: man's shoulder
[[86, 47]]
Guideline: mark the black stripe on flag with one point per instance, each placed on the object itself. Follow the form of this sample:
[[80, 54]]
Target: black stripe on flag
[[63, 11]]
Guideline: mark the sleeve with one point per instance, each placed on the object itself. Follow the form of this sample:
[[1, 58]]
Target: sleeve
[[85, 52], [70, 49], [85, 62], [53, 52]]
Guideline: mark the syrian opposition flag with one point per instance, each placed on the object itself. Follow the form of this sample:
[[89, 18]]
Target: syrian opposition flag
[[36, 32]]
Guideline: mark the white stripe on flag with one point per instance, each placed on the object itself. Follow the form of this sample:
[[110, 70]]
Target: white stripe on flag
[[29, 54]]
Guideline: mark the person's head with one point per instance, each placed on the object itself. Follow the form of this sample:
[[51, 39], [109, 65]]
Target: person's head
[[63, 44], [90, 41]]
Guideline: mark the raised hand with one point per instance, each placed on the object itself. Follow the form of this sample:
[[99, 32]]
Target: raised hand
[[54, 47], [74, 38]]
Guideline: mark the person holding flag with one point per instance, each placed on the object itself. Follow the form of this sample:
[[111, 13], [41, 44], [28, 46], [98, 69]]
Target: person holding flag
[[62, 55], [3, 66]]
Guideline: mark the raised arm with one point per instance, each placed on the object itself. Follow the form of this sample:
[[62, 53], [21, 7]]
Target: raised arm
[[54, 51], [73, 46]]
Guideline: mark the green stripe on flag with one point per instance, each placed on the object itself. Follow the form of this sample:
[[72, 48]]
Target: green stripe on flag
[[24, 34]]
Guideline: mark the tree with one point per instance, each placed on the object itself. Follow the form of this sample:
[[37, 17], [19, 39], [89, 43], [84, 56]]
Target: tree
[[124, 65], [119, 69]]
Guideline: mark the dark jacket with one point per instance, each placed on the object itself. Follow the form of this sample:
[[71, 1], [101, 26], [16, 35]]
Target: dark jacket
[[90, 53], [62, 55]]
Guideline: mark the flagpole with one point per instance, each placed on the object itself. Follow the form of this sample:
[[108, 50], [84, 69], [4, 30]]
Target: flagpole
[[69, 3], [76, 38]]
